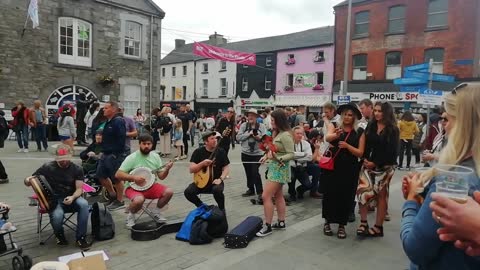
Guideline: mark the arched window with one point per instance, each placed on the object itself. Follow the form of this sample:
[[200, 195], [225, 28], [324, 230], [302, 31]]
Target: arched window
[[393, 65], [437, 55], [360, 67]]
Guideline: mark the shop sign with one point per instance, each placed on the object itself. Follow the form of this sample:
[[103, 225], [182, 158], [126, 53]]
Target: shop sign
[[248, 102], [386, 96]]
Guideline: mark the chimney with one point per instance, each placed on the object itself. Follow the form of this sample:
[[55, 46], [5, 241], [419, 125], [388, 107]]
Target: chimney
[[217, 39], [179, 43]]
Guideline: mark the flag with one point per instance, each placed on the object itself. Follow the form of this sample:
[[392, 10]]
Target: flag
[[33, 13], [205, 50]]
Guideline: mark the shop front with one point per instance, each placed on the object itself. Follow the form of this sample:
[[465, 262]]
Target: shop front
[[260, 104]]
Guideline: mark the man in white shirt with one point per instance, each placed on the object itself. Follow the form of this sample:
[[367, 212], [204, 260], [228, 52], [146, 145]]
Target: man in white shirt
[[303, 154], [366, 107]]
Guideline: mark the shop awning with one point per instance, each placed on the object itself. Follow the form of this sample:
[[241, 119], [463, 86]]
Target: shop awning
[[309, 101]]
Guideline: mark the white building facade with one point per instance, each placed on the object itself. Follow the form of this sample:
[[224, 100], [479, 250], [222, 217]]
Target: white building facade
[[179, 82]]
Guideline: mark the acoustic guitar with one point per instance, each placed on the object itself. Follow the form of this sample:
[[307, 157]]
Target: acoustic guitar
[[205, 175]]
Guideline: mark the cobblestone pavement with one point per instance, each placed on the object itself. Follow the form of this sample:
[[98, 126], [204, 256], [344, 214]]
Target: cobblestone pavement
[[301, 246]]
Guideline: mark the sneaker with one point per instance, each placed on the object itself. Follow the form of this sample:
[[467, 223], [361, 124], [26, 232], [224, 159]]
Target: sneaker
[[4, 181], [266, 230], [184, 157], [131, 220], [61, 240], [25, 150], [115, 205], [83, 244], [20, 150], [280, 225], [158, 217]]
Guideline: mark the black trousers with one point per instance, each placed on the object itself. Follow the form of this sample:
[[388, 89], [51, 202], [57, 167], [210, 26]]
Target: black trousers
[[299, 173], [254, 180], [405, 146], [416, 152], [186, 137], [192, 191], [81, 128], [3, 173]]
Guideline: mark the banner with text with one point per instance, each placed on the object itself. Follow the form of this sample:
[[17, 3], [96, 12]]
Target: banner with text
[[209, 51]]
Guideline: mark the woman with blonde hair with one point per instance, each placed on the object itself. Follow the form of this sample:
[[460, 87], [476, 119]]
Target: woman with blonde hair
[[348, 145], [419, 225]]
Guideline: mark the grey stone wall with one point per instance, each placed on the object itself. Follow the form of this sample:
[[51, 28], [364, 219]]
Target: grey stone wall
[[29, 67]]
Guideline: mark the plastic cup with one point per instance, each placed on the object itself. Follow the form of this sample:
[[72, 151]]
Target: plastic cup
[[452, 181], [421, 170]]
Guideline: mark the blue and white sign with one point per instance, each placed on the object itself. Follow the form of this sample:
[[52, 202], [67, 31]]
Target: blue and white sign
[[343, 100], [409, 81], [412, 88], [443, 78], [464, 62], [419, 67], [430, 97]]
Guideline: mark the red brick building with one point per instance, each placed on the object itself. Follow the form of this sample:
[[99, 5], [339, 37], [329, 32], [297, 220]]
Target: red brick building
[[388, 35]]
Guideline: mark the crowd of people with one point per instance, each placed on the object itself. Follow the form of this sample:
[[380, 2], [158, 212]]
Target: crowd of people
[[345, 156]]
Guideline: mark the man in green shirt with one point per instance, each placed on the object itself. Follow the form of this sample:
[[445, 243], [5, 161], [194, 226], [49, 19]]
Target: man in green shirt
[[145, 157]]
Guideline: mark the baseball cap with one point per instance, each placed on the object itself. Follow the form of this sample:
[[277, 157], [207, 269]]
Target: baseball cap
[[63, 152]]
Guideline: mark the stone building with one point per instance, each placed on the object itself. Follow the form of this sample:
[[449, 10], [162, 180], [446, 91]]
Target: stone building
[[107, 49]]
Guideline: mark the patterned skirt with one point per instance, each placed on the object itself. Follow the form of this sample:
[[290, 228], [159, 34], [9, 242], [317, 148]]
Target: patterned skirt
[[277, 173], [371, 183]]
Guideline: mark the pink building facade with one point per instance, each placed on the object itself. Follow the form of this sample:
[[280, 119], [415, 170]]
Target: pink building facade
[[305, 76]]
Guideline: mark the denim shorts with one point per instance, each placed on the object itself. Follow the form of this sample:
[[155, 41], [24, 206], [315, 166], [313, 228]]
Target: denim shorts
[[64, 138]]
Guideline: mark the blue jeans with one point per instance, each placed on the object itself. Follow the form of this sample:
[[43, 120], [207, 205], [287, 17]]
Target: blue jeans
[[313, 169], [80, 206], [22, 136], [41, 136]]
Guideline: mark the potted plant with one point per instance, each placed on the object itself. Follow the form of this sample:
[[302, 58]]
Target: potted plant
[[290, 61], [288, 88], [318, 87], [106, 80]]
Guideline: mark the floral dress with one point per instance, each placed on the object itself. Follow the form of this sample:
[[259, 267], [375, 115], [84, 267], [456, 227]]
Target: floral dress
[[276, 172]]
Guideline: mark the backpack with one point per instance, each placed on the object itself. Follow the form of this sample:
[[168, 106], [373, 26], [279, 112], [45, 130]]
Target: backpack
[[103, 226], [3, 128], [164, 123]]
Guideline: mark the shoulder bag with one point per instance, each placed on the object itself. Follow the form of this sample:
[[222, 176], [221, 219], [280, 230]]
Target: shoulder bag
[[327, 161]]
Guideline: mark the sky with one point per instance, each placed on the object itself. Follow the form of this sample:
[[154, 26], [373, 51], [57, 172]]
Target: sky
[[240, 20]]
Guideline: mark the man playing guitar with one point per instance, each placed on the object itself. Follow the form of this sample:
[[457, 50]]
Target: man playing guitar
[[213, 159], [145, 157]]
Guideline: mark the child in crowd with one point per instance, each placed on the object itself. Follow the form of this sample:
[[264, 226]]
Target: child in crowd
[[178, 139]]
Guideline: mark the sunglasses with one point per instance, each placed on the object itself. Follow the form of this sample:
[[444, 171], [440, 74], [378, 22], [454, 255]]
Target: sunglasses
[[459, 87]]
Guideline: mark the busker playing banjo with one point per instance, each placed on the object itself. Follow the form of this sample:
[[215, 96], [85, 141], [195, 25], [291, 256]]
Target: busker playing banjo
[[140, 169], [210, 166]]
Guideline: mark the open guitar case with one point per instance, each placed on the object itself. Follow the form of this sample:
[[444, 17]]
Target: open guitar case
[[151, 230]]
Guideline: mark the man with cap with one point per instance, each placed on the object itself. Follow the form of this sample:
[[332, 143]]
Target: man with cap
[[249, 135], [216, 158], [66, 180]]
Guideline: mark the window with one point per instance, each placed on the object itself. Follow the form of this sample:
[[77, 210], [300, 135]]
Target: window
[[245, 66], [362, 21], [173, 93], [290, 59], [437, 56], [205, 88], [223, 86], [174, 71], [74, 42], [360, 67], [396, 19], [223, 65], [268, 61], [184, 93], [132, 99], [133, 38], [245, 84], [437, 13], [184, 70], [290, 80], [268, 82], [163, 72], [319, 57], [205, 68], [319, 77], [393, 67]]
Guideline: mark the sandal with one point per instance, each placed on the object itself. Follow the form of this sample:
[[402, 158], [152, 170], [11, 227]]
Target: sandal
[[372, 232], [327, 230], [341, 234], [363, 228]]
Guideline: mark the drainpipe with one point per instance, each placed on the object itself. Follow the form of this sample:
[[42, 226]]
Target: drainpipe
[[151, 65]]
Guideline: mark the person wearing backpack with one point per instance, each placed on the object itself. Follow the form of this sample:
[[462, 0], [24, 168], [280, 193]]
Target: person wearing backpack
[[66, 180], [164, 126]]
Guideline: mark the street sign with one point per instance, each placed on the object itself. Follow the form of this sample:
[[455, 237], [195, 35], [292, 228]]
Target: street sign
[[426, 76], [424, 66], [412, 88], [343, 100], [430, 97], [464, 62], [409, 81]]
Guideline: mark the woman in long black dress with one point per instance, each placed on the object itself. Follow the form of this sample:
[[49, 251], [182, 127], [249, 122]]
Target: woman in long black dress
[[348, 144]]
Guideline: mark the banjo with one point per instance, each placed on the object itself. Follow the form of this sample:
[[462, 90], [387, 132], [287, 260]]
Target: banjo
[[148, 174]]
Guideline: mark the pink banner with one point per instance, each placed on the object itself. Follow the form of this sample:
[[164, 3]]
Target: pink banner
[[209, 51]]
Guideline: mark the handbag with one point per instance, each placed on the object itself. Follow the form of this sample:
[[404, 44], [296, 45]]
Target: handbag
[[327, 161]]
